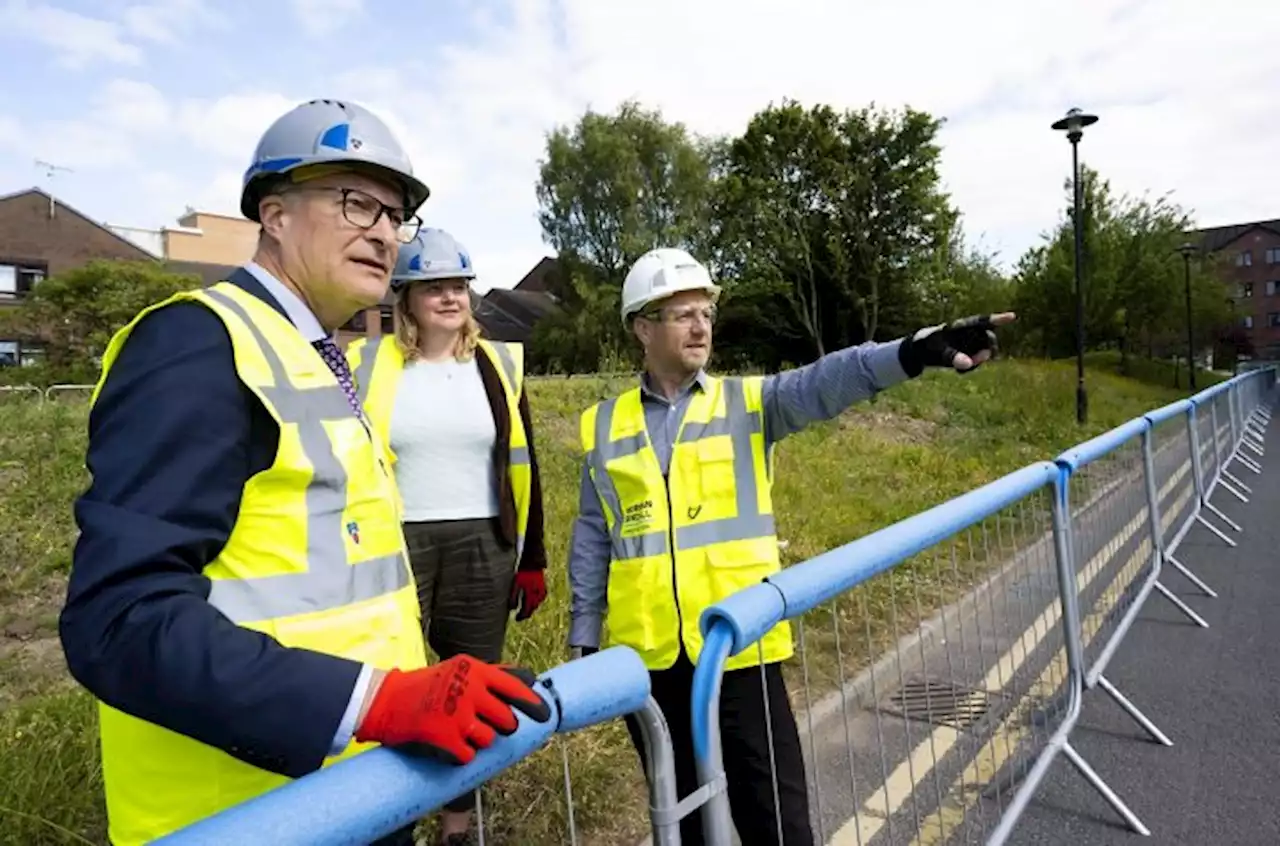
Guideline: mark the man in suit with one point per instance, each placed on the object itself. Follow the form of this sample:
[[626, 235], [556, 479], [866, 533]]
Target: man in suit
[[240, 601]]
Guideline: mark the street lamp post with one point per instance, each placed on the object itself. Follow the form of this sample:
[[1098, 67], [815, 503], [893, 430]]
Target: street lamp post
[[1074, 124], [1188, 250]]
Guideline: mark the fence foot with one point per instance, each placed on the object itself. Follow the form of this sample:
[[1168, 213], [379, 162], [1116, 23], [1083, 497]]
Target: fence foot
[[1181, 606], [1191, 577], [1132, 710], [1249, 462], [1099, 785], [1229, 488], [1221, 534], [1227, 474], [1224, 518]]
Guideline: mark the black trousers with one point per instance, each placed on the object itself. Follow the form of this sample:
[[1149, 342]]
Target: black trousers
[[464, 572], [746, 753]]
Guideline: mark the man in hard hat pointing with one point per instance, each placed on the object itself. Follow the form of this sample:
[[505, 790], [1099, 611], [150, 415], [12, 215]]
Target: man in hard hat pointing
[[676, 513]]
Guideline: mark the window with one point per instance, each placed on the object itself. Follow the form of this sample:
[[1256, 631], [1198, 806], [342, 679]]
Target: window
[[31, 355], [1247, 322], [1244, 289], [388, 320], [1272, 287], [1273, 255], [17, 280], [13, 354], [1273, 319], [1244, 259]]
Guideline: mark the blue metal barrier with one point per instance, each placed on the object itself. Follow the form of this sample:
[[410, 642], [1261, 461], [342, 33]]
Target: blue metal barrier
[[1168, 412], [742, 619], [376, 792]]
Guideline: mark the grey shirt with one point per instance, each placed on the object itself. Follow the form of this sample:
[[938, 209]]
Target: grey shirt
[[792, 400]]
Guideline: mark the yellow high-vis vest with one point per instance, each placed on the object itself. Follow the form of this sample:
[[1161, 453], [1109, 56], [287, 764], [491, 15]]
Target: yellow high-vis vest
[[377, 376], [317, 560], [683, 543]]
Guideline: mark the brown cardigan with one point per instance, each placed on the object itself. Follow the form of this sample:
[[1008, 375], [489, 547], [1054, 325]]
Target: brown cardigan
[[535, 550]]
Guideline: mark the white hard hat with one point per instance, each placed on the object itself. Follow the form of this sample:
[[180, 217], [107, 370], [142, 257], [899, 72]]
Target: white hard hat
[[660, 273], [328, 132]]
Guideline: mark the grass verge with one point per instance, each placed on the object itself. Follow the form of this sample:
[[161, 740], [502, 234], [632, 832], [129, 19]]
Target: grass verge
[[914, 447]]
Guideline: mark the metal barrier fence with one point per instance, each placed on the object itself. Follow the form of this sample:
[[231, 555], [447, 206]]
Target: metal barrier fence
[[942, 725], [380, 791], [934, 725], [43, 395]]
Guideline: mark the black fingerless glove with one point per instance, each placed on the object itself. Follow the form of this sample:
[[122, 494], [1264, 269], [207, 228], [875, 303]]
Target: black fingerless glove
[[937, 346]]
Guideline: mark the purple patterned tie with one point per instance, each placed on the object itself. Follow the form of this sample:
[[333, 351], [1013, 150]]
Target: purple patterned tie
[[337, 362]]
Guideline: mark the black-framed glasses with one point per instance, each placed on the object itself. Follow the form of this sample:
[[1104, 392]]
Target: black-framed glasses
[[364, 210], [683, 317]]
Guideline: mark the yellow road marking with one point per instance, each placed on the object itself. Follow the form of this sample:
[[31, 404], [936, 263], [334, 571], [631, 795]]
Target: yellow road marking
[[893, 793], [981, 770]]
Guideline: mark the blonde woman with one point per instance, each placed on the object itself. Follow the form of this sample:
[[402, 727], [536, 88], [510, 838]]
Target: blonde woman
[[452, 408]]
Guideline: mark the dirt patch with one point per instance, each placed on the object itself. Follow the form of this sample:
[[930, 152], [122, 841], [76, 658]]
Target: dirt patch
[[31, 668], [31, 660], [892, 428]]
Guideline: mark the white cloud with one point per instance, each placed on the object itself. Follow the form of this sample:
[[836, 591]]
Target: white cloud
[[1183, 98], [166, 21], [81, 40], [77, 40], [322, 17]]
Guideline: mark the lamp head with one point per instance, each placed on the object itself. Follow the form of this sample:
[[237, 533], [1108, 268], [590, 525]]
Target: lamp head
[[1074, 123]]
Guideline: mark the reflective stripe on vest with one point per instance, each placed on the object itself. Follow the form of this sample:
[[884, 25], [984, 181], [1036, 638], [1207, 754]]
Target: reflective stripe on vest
[[330, 580], [747, 522], [519, 454], [363, 374]]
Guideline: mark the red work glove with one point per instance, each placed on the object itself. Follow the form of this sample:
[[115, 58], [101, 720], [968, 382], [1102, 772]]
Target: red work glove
[[531, 586], [450, 710]]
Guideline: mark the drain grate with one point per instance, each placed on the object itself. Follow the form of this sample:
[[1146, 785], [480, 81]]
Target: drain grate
[[941, 703]]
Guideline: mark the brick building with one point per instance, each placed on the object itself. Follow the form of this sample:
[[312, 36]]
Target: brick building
[[200, 237], [1249, 254], [41, 236]]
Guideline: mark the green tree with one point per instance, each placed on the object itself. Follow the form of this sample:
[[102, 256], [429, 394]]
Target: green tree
[[1134, 292], [74, 314], [610, 188], [960, 280], [834, 217]]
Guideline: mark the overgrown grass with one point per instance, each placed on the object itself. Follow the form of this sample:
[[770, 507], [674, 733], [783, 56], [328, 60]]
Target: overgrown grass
[[916, 446]]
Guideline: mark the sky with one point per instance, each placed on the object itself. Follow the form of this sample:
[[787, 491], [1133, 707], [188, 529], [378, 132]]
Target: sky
[[153, 106]]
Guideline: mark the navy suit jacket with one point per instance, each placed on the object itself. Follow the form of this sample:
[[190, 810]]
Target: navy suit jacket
[[173, 438]]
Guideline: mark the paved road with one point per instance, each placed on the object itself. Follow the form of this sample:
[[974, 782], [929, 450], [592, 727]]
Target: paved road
[[1213, 691]]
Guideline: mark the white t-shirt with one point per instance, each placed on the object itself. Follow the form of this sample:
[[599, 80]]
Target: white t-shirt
[[443, 433]]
